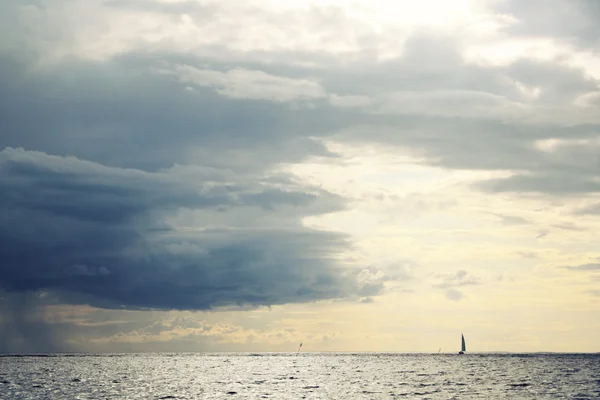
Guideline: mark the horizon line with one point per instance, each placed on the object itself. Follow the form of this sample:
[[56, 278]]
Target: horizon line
[[75, 353]]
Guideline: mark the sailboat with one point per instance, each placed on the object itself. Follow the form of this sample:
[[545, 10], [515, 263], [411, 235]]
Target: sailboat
[[463, 346]]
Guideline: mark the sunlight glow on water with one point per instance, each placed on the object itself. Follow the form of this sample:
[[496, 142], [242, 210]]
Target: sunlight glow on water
[[309, 375]]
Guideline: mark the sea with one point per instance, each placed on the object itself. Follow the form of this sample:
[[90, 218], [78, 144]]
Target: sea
[[300, 376]]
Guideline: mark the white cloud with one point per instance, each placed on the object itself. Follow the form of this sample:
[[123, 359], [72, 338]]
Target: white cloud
[[554, 145], [591, 99], [458, 279], [506, 51], [247, 84], [99, 30], [350, 101], [527, 91], [452, 103]]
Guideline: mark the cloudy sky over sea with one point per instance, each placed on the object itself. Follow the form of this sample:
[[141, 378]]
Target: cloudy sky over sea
[[248, 175]]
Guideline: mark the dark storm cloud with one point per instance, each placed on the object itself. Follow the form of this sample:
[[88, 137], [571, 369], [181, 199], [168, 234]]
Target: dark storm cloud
[[96, 234], [89, 231], [123, 113], [24, 328]]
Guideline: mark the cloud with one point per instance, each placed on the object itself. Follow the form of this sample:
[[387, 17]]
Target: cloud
[[450, 103], [172, 329], [528, 254], [246, 84], [593, 209], [182, 332], [584, 267], [458, 279], [236, 95], [557, 184], [569, 226], [350, 101], [157, 133], [454, 295], [573, 22], [591, 99], [450, 283], [99, 235], [373, 280], [126, 114], [102, 29], [24, 326], [511, 219]]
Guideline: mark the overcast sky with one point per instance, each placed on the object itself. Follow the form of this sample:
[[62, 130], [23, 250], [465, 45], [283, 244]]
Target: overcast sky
[[376, 175]]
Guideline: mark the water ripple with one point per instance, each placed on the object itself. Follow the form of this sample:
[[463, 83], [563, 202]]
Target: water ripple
[[291, 376]]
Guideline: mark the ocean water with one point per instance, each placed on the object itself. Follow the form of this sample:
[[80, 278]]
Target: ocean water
[[302, 376]]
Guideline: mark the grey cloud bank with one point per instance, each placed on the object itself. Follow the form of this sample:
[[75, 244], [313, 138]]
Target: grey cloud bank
[[144, 173], [85, 229]]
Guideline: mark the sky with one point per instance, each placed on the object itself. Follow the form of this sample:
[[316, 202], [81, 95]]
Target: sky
[[202, 175]]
